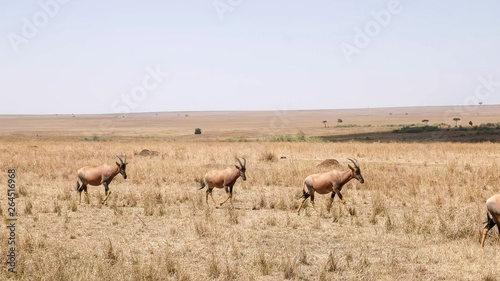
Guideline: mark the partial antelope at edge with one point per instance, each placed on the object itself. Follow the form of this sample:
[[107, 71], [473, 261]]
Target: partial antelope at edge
[[224, 179], [97, 175], [332, 181], [493, 215]]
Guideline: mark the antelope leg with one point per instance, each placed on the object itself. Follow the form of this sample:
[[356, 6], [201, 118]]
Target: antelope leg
[[229, 196], [211, 196]]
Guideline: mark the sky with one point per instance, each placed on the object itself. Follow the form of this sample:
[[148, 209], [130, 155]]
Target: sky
[[89, 57]]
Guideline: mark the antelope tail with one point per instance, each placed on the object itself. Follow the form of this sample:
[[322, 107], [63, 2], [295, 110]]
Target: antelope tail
[[202, 185], [304, 195]]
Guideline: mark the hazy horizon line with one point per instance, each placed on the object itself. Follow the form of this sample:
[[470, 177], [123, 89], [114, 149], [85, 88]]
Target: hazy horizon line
[[248, 110]]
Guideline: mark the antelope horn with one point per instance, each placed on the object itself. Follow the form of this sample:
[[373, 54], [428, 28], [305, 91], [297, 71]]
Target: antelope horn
[[355, 162], [119, 158], [244, 162], [239, 161]]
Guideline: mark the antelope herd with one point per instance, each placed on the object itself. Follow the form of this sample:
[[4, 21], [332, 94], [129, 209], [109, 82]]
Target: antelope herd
[[323, 183]]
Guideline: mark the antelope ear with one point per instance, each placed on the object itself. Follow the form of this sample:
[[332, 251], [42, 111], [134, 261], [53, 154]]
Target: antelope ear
[[237, 167], [350, 167], [117, 164]]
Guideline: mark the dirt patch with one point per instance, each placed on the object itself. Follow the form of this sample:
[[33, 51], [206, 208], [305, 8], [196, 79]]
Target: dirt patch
[[146, 152], [328, 163]]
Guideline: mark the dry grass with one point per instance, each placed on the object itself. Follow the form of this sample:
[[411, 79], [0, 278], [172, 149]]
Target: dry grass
[[419, 214]]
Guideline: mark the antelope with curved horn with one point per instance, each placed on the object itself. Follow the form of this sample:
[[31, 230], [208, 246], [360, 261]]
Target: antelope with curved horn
[[224, 179], [332, 181], [97, 175], [493, 215]]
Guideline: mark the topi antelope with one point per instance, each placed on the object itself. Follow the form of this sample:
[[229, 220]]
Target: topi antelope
[[97, 175], [224, 179], [329, 182], [493, 215]]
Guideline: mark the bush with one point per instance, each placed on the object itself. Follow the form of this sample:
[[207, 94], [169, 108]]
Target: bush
[[95, 138], [414, 130], [268, 156], [197, 131], [299, 137]]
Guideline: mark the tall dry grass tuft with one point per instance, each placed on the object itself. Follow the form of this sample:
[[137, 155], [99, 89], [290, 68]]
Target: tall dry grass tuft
[[263, 263], [332, 262], [213, 268], [268, 156], [28, 209], [290, 267]]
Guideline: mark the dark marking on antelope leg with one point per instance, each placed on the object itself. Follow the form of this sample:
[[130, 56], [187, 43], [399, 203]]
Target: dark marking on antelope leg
[[305, 195], [312, 202], [341, 197], [231, 195], [489, 225], [331, 201], [87, 198], [106, 192]]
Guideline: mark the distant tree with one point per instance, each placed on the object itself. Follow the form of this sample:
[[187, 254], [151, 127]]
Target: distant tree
[[456, 119], [425, 121], [470, 123], [406, 113], [339, 121], [197, 131], [390, 113], [324, 122], [480, 103]]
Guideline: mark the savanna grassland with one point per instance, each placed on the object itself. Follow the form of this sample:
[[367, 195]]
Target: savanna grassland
[[418, 216]]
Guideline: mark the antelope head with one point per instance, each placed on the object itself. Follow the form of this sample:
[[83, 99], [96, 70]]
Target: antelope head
[[356, 171], [242, 168], [122, 166]]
